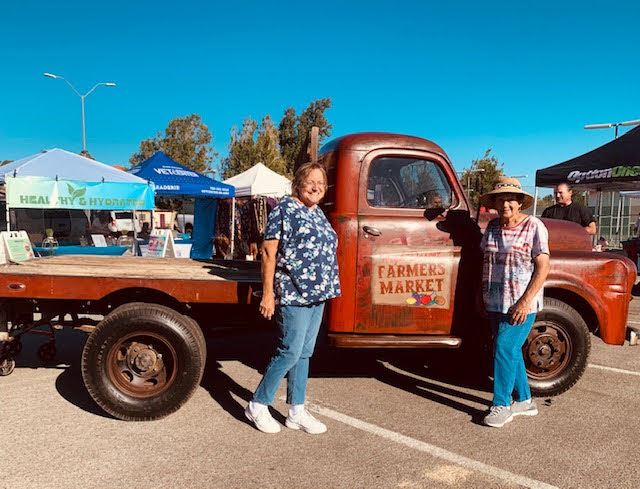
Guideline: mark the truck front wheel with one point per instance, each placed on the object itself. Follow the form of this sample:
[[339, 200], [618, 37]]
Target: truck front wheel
[[143, 361], [557, 349]]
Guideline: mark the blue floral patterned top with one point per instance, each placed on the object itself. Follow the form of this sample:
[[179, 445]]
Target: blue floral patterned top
[[306, 261]]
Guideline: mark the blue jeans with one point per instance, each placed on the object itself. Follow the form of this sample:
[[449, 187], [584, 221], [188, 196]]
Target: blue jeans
[[509, 372], [299, 326]]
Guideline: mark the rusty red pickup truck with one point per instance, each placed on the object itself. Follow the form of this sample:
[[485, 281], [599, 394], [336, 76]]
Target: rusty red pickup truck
[[408, 258]]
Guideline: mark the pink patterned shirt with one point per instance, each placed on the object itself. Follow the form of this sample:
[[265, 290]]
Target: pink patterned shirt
[[508, 262]]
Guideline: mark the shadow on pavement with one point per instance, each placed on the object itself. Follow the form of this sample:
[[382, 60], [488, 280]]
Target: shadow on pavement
[[421, 373], [71, 387], [220, 387], [438, 376], [69, 384], [250, 347], [442, 380]]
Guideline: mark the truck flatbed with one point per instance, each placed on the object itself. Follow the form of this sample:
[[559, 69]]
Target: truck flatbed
[[94, 277]]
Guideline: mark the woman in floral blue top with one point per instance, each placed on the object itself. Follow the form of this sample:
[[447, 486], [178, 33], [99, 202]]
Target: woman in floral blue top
[[299, 273]]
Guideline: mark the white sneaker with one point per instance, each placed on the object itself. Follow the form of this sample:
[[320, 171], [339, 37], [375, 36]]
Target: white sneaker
[[262, 419], [498, 416], [305, 422], [524, 408]]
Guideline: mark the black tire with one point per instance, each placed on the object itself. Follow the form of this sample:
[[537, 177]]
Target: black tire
[[7, 366], [202, 342], [557, 349], [143, 361]]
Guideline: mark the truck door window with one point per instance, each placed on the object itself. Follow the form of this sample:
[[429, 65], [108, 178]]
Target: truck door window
[[407, 182]]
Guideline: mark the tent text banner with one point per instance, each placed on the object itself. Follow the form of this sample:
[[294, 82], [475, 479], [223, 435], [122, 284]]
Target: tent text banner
[[48, 193]]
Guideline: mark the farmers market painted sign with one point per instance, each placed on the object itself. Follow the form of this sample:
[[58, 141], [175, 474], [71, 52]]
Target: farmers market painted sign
[[411, 277], [48, 193]]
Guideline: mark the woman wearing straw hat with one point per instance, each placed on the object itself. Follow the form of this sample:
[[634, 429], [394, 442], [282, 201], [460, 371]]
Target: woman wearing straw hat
[[515, 266]]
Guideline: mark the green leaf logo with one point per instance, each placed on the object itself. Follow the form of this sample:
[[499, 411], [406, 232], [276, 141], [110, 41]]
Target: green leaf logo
[[75, 193]]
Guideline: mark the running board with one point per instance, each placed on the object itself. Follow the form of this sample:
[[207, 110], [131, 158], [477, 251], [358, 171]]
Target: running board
[[393, 341]]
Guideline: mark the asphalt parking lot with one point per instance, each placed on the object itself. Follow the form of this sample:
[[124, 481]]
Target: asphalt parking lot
[[390, 426]]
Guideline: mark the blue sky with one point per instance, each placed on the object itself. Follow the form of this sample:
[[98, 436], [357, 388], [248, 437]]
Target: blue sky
[[520, 79]]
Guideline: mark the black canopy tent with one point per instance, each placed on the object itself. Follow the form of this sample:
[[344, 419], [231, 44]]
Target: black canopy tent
[[614, 166]]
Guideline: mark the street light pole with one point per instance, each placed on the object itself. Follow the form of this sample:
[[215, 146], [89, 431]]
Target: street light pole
[[82, 97], [613, 124]]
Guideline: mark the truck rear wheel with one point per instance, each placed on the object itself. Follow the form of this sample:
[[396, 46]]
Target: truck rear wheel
[[143, 361], [202, 342], [557, 349]]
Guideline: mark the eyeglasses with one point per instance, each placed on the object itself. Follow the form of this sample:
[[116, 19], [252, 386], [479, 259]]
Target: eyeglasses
[[308, 183]]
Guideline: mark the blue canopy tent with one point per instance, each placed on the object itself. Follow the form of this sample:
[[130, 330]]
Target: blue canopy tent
[[174, 180]]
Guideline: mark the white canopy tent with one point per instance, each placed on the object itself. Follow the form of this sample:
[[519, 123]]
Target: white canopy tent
[[60, 164], [260, 180], [257, 181]]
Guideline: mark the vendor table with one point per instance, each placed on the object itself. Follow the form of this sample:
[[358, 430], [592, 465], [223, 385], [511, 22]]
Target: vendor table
[[81, 250]]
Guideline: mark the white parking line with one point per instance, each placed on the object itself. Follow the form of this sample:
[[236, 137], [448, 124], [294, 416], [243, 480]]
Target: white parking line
[[613, 369], [432, 450]]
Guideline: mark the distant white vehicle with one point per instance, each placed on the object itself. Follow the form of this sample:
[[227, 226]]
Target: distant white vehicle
[[122, 221], [115, 222], [184, 223]]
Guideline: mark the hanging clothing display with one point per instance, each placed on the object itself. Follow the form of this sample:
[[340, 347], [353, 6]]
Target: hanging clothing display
[[250, 224]]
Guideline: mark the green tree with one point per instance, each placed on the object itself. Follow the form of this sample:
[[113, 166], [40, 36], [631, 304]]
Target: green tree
[[187, 140], [242, 149], [544, 202], [267, 147], [480, 177], [288, 135], [579, 197], [294, 129], [251, 145]]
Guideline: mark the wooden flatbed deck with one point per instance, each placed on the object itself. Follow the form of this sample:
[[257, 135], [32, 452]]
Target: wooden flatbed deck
[[92, 277], [136, 267]]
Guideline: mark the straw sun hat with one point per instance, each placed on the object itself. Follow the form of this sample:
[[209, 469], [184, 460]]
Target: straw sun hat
[[506, 185]]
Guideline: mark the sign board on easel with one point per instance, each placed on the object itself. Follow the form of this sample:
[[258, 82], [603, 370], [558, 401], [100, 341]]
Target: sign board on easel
[[16, 246], [98, 240], [3, 253], [161, 244]]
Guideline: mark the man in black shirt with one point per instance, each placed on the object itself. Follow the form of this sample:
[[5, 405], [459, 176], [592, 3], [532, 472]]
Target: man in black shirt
[[569, 211]]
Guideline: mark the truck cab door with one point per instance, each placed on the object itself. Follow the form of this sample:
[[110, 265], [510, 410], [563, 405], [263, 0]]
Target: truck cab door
[[407, 266]]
